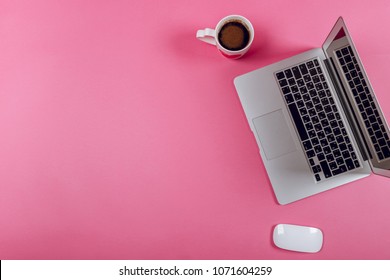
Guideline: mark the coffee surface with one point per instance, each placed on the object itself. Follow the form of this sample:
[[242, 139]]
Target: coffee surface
[[233, 36]]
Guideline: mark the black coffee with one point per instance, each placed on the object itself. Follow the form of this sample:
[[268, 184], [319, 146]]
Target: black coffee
[[234, 36]]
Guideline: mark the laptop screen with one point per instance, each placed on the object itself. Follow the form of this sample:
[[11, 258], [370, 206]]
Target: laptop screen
[[356, 93]]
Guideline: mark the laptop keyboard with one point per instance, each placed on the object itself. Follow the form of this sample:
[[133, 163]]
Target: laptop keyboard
[[317, 120], [364, 100]]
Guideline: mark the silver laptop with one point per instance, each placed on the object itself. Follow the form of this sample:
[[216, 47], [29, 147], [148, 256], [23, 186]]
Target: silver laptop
[[316, 119]]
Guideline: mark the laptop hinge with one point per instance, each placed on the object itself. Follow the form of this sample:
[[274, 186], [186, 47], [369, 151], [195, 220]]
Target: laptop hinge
[[345, 103]]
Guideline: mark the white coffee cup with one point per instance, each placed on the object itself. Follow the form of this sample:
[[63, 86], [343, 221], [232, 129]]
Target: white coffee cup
[[213, 36]]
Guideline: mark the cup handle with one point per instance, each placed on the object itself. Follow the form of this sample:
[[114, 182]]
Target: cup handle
[[207, 35]]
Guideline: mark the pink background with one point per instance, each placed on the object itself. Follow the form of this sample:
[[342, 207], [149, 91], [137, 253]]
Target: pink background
[[122, 136]]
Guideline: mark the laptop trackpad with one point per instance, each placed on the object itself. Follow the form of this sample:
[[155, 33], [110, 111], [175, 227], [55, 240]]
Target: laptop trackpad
[[274, 135]]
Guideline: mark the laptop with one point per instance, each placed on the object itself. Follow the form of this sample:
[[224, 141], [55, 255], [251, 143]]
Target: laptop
[[316, 119]]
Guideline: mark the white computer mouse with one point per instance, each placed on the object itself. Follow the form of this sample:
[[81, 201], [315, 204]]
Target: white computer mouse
[[298, 238]]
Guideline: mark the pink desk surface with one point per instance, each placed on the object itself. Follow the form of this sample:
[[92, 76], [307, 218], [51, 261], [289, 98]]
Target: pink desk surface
[[122, 136]]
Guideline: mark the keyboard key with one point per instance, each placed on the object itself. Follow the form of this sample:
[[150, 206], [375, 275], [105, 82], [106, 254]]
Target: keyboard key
[[330, 136], [319, 86], [319, 109], [303, 111], [291, 81], [316, 169], [329, 158], [337, 153], [333, 145], [286, 90], [386, 151], [303, 89], [303, 69], [357, 81], [339, 139], [289, 98], [360, 89], [298, 97], [322, 94], [318, 149], [378, 134], [343, 168], [342, 146], [288, 73], [310, 153], [375, 126], [306, 97], [283, 82], [327, 150], [334, 124], [382, 142], [325, 169], [336, 172], [315, 141], [280, 75], [345, 154], [344, 51], [298, 121], [349, 163], [307, 145], [296, 72], [321, 156], [332, 165], [339, 160]]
